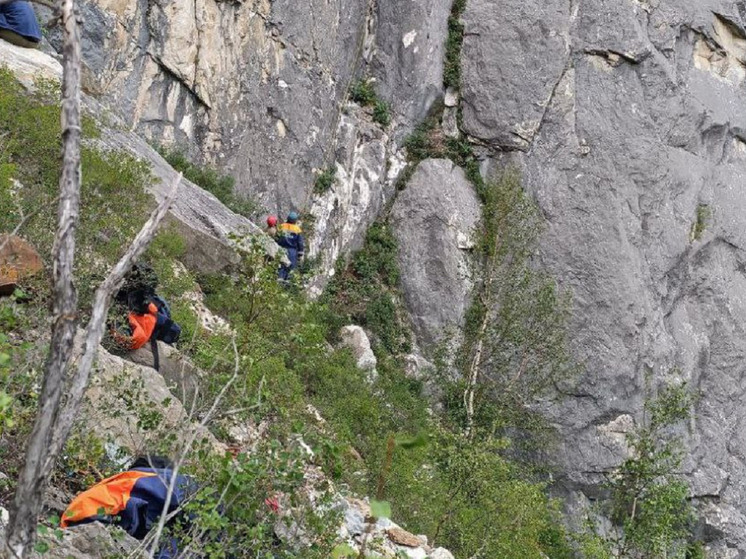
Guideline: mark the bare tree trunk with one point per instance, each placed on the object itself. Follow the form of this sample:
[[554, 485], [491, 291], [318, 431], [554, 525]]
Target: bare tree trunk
[[96, 325], [54, 422], [28, 500]]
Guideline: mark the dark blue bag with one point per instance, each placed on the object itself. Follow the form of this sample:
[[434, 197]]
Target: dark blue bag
[[166, 330]]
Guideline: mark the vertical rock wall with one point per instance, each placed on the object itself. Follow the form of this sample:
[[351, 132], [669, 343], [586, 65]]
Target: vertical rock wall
[[260, 88], [627, 118]]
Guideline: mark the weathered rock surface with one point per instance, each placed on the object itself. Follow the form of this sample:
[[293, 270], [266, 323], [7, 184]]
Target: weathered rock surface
[[18, 260], [433, 219], [632, 117], [131, 406], [511, 63], [355, 338], [360, 192], [407, 60], [383, 538], [90, 541], [182, 377]]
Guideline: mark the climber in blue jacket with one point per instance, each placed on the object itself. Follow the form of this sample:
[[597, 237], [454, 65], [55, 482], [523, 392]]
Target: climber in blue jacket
[[290, 237], [18, 24]]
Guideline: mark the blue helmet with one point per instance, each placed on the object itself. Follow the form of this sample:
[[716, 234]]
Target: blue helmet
[[293, 217]]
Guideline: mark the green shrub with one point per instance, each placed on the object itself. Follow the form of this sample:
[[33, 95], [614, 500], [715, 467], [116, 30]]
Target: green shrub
[[325, 180], [366, 292], [363, 93], [382, 113], [452, 65], [211, 180]]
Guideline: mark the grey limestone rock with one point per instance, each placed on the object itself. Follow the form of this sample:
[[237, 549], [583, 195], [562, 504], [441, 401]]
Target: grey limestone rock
[[407, 59], [433, 219], [513, 55], [91, 541], [636, 156], [355, 338]]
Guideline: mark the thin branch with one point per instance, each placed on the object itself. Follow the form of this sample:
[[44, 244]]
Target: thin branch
[[96, 325], [187, 448]]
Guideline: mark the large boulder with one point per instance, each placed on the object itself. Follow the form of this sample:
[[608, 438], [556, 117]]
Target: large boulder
[[434, 219], [132, 407], [18, 260], [636, 154], [356, 340]]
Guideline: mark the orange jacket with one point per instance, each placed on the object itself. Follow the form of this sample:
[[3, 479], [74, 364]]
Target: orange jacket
[[108, 497], [142, 326]]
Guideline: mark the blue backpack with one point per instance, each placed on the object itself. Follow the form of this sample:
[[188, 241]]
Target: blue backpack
[[166, 330]]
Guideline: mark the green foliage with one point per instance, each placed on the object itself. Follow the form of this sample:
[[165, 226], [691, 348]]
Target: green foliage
[[427, 141], [244, 526], [519, 317], [365, 292], [648, 498], [365, 95], [488, 507], [20, 360], [113, 203], [382, 113], [452, 65], [704, 214], [325, 180], [210, 179]]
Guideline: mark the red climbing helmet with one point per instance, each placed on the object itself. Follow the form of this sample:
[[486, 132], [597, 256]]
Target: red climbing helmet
[[272, 221]]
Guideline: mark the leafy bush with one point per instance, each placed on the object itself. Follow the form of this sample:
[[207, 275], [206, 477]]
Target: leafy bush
[[366, 291], [210, 179], [325, 180], [365, 95], [382, 113]]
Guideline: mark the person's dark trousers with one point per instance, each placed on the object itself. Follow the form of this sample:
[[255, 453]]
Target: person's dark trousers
[[18, 40]]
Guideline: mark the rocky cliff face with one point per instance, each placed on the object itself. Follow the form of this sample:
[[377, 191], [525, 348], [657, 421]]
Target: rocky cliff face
[[627, 120], [261, 89], [626, 117]]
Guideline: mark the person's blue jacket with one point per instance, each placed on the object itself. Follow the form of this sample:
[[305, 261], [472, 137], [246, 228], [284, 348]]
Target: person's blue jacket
[[290, 237], [134, 501], [20, 18]]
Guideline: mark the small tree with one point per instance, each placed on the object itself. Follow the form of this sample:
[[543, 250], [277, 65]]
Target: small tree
[[648, 498], [516, 335], [55, 417]]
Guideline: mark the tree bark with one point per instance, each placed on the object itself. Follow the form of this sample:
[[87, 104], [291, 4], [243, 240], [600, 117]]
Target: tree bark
[[54, 421], [28, 500]]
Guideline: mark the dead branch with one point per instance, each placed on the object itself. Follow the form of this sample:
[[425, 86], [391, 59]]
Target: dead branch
[[95, 331], [28, 499]]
